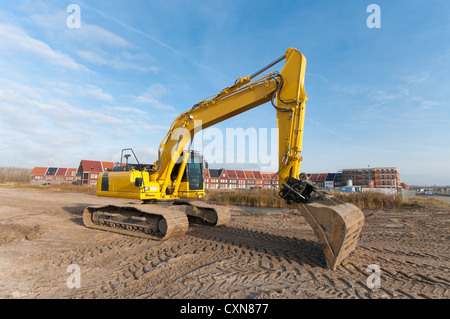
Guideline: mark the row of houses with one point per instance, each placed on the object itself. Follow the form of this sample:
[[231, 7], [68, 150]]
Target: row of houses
[[327, 180], [231, 179], [380, 177], [88, 171], [42, 175]]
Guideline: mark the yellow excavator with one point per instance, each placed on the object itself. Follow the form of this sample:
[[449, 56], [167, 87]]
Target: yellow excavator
[[171, 189]]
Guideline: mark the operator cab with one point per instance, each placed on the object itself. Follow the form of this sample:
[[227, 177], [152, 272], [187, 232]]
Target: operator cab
[[193, 174]]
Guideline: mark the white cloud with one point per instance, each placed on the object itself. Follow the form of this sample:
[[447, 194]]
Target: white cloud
[[92, 43], [31, 111], [154, 128], [66, 89], [331, 131], [55, 23], [39, 127], [151, 97], [97, 93], [138, 31], [94, 57], [46, 108], [146, 155], [15, 41], [129, 111], [119, 62], [155, 39], [382, 96], [101, 36], [426, 104], [416, 79]]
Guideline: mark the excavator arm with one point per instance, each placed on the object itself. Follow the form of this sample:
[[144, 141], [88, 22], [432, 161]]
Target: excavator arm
[[284, 89]]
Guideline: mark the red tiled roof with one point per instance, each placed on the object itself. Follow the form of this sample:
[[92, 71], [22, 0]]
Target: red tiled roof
[[257, 175], [231, 173], [274, 176], [61, 172], [107, 165], [39, 171], [91, 166], [248, 174], [240, 174], [265, 175]]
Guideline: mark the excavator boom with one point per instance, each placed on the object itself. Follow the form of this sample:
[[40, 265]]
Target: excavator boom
[[173, 175]]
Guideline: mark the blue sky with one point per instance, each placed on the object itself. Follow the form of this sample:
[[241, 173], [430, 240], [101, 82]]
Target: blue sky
[[376, 97]]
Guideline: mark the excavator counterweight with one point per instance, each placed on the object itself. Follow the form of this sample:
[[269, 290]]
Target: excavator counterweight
[[171, 188]]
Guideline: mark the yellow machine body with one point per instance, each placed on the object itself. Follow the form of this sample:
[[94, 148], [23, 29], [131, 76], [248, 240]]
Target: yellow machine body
[[123, 184]]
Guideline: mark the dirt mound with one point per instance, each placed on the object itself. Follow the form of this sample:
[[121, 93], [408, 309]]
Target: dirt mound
[[11, 232]]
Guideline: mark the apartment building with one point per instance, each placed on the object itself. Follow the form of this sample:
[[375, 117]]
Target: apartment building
[[373, 177]]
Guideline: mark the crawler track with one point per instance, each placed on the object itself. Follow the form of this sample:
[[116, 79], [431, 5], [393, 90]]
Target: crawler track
[[148, 221], [154, 221]]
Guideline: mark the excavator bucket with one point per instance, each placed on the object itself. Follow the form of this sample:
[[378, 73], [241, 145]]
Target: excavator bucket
[[337, 226]]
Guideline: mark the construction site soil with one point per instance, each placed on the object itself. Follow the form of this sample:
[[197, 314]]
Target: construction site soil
[[47, 252]]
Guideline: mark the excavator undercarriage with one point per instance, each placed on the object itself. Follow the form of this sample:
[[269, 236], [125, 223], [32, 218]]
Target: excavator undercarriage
[[140, 220], [158, 221]]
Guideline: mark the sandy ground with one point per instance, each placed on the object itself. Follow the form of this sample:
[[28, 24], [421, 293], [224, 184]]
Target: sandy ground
[[258, 255]]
